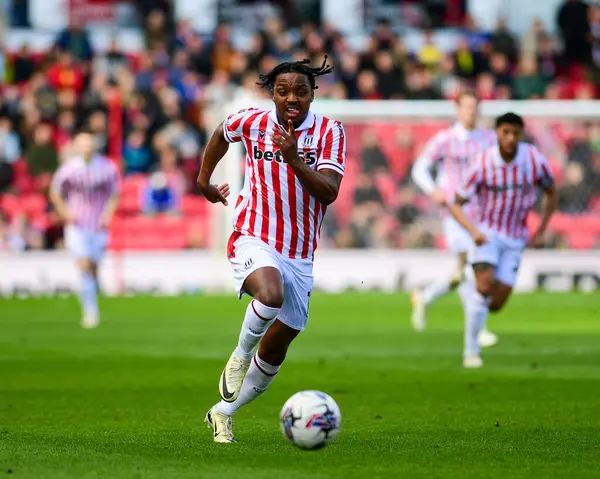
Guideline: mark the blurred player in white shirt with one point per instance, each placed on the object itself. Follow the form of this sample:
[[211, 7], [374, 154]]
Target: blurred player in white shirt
[[449, 153], [85, 192]]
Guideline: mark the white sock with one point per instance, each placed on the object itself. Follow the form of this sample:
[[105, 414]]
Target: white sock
[[258, 378], [436, 290], [256, 322], [476, 313], [89, 294]]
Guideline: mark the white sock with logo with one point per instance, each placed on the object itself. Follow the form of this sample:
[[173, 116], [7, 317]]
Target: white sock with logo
[[256, 322], [477, 310], [259, 376]]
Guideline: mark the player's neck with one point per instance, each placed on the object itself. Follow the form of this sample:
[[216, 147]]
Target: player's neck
[[508, 157], [88, 159], [469, 128]]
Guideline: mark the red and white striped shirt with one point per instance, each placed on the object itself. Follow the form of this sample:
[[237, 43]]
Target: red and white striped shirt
[[506, 192], [273, 205], [87, 188], [450, 152]]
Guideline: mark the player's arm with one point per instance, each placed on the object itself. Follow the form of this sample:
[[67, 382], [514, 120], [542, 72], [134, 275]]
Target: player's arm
[[422, 169], [323, 183], [456, 210], [56, 196], [214, 152], [466, 192], [549, 199], [113, 201]]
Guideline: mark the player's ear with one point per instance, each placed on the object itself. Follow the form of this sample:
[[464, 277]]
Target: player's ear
[[312, 95]]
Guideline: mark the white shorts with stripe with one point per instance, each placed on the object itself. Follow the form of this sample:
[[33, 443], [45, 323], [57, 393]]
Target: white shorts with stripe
[[247, 254], [86, 244]]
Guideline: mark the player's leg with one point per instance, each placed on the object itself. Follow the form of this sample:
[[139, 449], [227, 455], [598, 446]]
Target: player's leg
[[476, 293], [273, 347], [506, 275], [458, 241], [78, 242], [265, 285]]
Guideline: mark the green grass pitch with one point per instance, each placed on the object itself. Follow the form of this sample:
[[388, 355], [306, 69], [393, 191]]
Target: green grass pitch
[[127, 400]]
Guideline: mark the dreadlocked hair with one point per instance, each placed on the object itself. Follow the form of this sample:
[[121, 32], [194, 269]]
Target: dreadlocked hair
[[302, 67]]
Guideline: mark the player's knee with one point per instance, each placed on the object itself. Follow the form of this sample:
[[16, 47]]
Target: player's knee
[[84, 265], [271, 296], [485, 288], [496, 305]]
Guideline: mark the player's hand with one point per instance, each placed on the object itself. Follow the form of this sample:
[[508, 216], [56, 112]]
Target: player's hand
[[537, 240], [69, 218], [104, 221], [216, 193], [438, 198], [286, 141], [479, 238]]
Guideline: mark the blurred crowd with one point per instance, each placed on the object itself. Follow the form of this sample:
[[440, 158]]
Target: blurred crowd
[[162, 95]]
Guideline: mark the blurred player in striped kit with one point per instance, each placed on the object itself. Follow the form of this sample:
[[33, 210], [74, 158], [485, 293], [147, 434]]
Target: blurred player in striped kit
[[85, 193], [448, 153], [502, 180]]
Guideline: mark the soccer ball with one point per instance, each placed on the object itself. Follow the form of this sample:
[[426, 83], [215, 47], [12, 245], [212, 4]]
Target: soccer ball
[[310, 419]]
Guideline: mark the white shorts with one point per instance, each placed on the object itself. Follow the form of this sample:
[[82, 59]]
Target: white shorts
[[501, 252], [86, 244], [247, 254], [458, 239]]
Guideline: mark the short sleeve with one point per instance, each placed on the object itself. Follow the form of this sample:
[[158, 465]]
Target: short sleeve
[[234, 124], [434, 149], [115, 184], [542, 170], [333, 153], [59, 179], [473, 178]]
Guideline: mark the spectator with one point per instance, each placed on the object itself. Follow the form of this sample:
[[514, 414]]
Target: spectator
[[76, 42], [373, 159], [573, 23], [389, 76], [41, 155], [500, 68], [465, 60], [10, 148], [23, 65], [65, 74], [576, 192], [109, 63], [530, 42], [366, 85], [137, 157], [528, 82], [430, 55], [504, 42], [158, 196]]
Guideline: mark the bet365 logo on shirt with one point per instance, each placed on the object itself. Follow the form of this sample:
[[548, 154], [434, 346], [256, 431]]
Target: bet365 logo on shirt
[[309, 156]]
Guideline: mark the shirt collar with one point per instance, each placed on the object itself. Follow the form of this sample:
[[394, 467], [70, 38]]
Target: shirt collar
[[498, 161], [308, 122]]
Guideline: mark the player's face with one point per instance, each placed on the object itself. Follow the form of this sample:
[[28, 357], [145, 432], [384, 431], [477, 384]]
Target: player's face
[[85, 144], [292, 95], [467, 111], [509, 137]]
